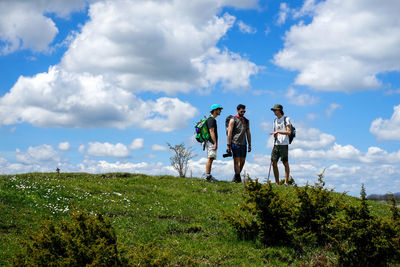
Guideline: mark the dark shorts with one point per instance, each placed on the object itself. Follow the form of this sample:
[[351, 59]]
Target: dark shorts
[[280, 152], [239, 151]]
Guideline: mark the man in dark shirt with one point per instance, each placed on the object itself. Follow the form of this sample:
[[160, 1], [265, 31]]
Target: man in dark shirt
[[238, 138], [212, 144]]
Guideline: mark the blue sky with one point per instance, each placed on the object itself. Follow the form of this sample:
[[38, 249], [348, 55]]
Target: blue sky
[[102, 86]]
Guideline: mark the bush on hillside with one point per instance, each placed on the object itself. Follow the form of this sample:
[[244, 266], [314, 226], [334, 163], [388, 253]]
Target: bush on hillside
[[396, 224], [362, 240], [245, 225], [395, 210], [351, 232], [267, 215], [85, 240], [315, 212]]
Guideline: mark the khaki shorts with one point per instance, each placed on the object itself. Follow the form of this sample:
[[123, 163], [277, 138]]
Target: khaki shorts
[[211, 152], [280, 152]]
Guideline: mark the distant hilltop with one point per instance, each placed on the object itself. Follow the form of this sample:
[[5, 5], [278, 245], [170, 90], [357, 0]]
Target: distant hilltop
[[383, 197]]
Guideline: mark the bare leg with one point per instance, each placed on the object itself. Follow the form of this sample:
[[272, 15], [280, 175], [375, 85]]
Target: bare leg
[[242, 161], [287, 171], [208, 165], [276, 171], [236, 165]]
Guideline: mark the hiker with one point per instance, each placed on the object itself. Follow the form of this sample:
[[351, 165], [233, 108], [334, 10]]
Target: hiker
[[212, 143], [282, 130], [238, 136]]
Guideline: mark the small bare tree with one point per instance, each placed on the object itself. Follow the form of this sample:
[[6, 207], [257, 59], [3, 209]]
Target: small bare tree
[[181, 157]]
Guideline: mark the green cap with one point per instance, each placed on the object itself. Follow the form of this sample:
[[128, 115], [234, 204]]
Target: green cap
[[277, 107]]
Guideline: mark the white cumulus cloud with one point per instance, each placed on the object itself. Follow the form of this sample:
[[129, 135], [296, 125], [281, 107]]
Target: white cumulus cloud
[[388, 129], [344, 47], [65, 146], [245, 28], [157, 147], [37, 155], [81, 149], [137, 144], [21, 19], [108, 150], [113, 58], [300, 99], [102, 166], [331, 108], [312, 138], [284, 11], [225, 67], [121, 38], [59, 98]]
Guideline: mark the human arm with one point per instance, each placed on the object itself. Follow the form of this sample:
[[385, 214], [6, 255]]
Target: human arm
[[248, 134], [287, 132], [213, 138]]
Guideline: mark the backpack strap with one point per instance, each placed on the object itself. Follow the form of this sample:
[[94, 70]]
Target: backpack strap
[[284, 121], [244, 119], [234, 118], [235, 121]]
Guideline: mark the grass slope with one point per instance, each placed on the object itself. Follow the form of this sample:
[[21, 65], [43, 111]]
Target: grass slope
[[183, 217]]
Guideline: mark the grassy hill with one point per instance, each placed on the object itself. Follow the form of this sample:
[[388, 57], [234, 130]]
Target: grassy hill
[[182, 217]]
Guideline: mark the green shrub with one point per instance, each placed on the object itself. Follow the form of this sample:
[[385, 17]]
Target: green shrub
[[362, 240], [395, 210], [245, 225], [315, 211], [85, 240], [267, 215], [396, 224]]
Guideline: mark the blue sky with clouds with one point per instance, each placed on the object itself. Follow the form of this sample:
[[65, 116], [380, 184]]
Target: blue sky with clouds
[[102, 86]]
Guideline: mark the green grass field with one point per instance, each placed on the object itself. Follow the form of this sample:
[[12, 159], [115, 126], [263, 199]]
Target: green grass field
[[183, 217]]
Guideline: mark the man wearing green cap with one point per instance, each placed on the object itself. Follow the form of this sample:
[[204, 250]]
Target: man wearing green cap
[[282, 130], [212, 144]]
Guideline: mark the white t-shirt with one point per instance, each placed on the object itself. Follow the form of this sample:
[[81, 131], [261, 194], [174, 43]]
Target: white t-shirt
[[279, 125]]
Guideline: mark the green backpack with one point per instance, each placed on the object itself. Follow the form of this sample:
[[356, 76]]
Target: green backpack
[[201, 130]]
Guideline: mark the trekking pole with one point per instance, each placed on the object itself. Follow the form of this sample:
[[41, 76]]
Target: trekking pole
[[270, 162], [269, 172]]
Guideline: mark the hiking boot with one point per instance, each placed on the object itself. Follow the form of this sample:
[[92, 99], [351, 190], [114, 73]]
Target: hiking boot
[[211, 179], [236, 178]]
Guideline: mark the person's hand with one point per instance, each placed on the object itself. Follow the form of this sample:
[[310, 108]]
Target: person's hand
[[215, 147], [228, 149], [249, 148]]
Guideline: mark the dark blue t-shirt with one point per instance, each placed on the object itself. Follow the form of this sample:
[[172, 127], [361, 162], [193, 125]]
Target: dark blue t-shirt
[[212, 123]]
